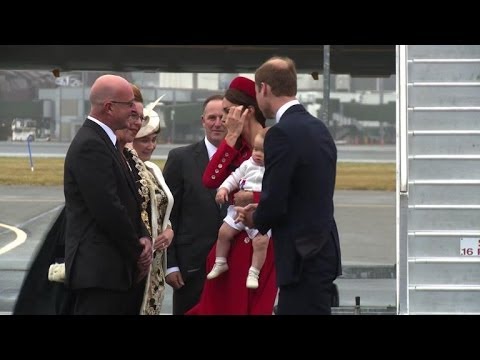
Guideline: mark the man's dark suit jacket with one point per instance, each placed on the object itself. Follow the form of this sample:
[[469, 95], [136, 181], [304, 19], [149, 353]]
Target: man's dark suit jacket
[[102, 213], [195, 216], [297, 197]]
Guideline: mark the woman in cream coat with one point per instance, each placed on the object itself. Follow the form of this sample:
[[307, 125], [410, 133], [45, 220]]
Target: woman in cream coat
[[157, 203]]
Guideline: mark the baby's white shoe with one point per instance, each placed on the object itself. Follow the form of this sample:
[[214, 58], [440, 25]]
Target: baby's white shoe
[[252, 279], [217, 270]]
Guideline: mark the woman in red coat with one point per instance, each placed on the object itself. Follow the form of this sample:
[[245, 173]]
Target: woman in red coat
[[227, 294]]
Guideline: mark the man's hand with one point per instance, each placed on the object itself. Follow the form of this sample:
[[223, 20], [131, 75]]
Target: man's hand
[[243, 198], [245, 214], [141, 274], [145, 258], [175, 280]]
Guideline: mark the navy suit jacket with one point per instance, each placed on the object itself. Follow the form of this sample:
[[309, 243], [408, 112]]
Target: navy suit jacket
[[297, 197], [195, 216]]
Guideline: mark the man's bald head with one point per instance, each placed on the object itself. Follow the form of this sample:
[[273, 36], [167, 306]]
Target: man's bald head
[[110, 96], [108, 87]]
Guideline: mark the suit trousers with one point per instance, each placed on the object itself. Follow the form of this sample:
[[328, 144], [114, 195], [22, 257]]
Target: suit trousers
[[307, 297], [189, 295], [314, 292], [95, 301]]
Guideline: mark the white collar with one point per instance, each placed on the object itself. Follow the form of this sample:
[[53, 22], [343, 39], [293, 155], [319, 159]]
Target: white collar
[[284, 108], [110, 133], [211, 149]]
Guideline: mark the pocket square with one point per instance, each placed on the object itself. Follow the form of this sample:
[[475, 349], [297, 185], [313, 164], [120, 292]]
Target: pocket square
[[56, 272]]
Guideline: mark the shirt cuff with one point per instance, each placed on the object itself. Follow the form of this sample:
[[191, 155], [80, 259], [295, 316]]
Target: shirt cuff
[[171, 270]]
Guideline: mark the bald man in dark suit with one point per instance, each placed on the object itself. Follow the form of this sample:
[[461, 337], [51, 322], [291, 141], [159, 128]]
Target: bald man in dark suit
[[107, 247]]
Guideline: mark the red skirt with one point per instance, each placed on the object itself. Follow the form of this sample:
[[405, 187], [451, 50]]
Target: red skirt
[[228, 295]]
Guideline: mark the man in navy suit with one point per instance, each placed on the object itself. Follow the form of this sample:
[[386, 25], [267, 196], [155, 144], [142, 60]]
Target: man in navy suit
[[297, 194], [107, 247]]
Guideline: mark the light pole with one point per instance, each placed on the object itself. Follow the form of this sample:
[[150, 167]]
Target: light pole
[[326, 83]]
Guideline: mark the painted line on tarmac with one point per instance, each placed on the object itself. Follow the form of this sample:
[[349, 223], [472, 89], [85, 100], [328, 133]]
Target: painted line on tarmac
[[56, 208], [29, 200], [25, 155], [20, 239]]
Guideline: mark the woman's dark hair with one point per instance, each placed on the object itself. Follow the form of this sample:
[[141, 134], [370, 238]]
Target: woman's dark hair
[[240, 98]]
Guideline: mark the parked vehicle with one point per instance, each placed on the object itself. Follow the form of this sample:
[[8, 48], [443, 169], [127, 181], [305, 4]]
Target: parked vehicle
[[23, 128]]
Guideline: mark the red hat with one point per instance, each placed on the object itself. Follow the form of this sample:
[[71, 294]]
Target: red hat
[[244, 85]]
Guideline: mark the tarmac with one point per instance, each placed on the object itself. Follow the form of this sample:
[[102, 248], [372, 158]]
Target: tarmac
[[366, 222]]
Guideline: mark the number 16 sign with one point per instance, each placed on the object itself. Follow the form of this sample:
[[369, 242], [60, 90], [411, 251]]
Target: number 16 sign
[[470, 247]]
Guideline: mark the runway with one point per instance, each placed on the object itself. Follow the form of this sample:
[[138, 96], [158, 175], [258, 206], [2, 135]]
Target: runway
[[346, 153], [366, 222]]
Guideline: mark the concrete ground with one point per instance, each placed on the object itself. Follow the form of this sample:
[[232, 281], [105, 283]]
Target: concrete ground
[[366, 222]]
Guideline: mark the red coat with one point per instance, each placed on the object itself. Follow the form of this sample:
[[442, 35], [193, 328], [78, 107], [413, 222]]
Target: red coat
[[227, 294]]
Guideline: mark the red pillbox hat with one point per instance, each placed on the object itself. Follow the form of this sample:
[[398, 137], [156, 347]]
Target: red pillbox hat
[[244, 85]]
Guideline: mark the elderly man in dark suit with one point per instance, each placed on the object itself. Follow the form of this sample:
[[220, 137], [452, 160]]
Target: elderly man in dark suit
[[297, 194], [195, 216], [107, 247]]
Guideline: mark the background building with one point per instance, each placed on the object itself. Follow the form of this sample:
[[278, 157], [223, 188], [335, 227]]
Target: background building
[[362, 110]]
